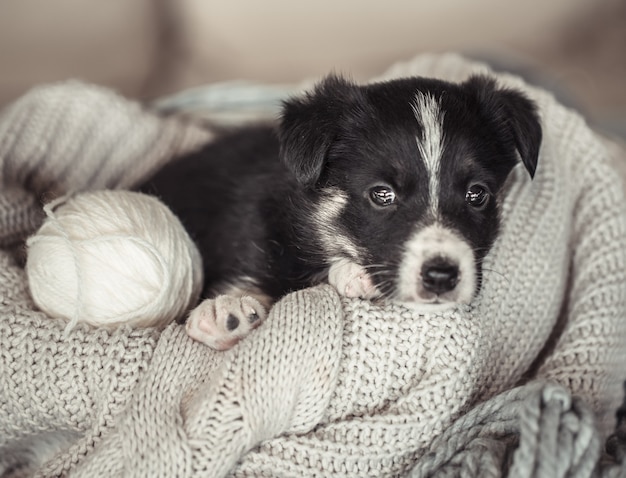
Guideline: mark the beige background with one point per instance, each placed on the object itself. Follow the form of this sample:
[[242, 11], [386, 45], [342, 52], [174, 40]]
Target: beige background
[[145, 48]]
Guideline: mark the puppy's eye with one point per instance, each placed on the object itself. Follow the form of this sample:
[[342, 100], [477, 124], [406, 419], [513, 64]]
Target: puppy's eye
[[382, 196], [477, 196]]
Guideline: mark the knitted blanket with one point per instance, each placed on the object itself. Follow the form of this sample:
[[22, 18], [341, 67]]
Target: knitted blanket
[[523, 382]]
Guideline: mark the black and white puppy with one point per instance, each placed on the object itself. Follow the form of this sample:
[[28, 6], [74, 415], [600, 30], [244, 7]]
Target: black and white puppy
[[388, 189]]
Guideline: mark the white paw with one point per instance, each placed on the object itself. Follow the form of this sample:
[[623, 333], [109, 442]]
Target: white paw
[[351, 280], [222, 322]]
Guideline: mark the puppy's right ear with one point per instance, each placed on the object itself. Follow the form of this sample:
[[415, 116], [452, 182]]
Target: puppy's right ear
[[309, 126]]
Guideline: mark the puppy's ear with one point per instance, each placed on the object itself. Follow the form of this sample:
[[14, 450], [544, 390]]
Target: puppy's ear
[[309, 125], [516, 114]]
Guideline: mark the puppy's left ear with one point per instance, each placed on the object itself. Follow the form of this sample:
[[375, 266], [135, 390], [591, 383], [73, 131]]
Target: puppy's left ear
[[310, 124], [517, 114], [525, 125]]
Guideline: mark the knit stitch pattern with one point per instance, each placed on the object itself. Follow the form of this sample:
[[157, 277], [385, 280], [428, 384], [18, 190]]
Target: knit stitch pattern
[[523, 382]]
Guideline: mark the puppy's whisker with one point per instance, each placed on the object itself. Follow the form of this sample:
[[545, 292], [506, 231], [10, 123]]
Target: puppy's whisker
[[380, 277], [503, 276], [374, 264], [377, 272], [387, 286]]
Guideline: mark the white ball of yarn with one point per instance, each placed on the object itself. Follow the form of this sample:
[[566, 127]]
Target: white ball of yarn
[[113, 257]]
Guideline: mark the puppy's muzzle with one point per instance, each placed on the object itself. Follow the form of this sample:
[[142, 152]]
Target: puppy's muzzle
[[438, 267], [439, 276]]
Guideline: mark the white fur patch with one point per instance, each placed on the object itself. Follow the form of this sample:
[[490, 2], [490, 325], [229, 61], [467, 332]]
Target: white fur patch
[[351, 280], [427, 111], [244, 286], [210, 322], [325, 215], [432, 242]]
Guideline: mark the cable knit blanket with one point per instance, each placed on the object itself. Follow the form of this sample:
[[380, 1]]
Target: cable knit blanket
[[524, 382]]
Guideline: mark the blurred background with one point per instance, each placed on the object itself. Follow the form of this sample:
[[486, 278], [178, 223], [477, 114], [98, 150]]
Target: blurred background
[[149, 48]]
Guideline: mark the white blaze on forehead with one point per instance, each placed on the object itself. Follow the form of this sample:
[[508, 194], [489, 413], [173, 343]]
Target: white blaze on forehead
[[436, 241], [325, 219], [428, 113]]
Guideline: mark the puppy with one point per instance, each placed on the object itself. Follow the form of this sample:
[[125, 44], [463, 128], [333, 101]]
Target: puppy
[[384, 190]]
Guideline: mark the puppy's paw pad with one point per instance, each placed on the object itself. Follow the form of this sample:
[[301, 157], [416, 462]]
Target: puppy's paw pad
[[232, 322], [221, 322], [352, 280]]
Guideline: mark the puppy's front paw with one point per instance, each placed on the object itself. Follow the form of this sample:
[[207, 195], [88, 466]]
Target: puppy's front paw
[[351, 280], [222, 322]]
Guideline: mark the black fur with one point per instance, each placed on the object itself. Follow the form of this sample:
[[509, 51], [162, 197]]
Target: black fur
[[249, 200]]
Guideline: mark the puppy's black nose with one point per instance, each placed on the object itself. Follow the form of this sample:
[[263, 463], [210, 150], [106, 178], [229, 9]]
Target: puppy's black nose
[[439, 276]]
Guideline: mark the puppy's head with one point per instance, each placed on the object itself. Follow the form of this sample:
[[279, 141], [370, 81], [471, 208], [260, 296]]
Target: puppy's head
[[405, 176]]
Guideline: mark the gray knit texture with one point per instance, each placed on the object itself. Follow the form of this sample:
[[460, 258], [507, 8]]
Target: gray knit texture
[[525, 382]]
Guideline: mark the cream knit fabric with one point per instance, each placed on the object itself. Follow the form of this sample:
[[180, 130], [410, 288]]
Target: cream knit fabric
[[327, 386]]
